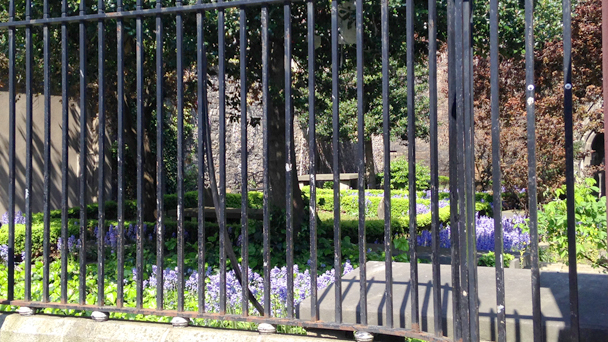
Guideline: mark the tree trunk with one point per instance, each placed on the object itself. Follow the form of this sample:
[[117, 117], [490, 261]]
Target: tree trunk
[[370, 166], [149, 171], [149, 161], [277, 140]]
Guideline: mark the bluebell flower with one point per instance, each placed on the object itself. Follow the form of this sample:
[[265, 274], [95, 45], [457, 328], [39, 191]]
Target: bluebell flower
[[4, 252], [514, 239], [19, 218]]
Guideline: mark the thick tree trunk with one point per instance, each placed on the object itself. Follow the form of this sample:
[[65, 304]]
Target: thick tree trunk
[[277, 140], [149, 161]]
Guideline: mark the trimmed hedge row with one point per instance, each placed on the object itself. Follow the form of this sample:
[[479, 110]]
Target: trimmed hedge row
[[374, 228], [349, 219], [325, 201], [190, 227], [37, 235], [349, 201], [256, 201]]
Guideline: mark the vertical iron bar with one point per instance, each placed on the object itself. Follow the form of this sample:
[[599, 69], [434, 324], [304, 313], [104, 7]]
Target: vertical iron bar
[[469, 167], [83, 157], [140, 159], [11, 155], [265, 123], [388, 261], [288, 162], [361, 164], [121, 152], [244, 168], [179, 29], [101, 155], [201, 63], [28, 154], [605, 91], [411, 143], [64, 154], [453, 174], [312, 144], [570, 202], [434, 166], [460, 179], [160, 205], [532, 190], [335, 91], [222, 150], [47, 156], [496, 174]]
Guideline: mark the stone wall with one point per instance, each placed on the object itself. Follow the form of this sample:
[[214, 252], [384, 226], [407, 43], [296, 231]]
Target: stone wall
[[38, 154], [255, 135]]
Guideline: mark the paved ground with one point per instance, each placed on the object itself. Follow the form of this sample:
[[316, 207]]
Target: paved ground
[[563, 268], [593, 297]]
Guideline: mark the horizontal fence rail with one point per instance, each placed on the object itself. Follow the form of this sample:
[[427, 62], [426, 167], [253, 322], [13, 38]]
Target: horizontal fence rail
[[150, 89]]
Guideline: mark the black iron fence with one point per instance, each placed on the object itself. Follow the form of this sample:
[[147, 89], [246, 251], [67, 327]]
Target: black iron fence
[[461, 161]]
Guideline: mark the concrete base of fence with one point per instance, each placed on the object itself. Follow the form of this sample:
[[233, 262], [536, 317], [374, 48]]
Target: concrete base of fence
[[593, 300], [44, 328]]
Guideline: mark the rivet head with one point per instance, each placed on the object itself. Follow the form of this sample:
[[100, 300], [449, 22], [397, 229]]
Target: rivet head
[[266, 329], [530, 101], [99, 316], [530, 87], [180, 322], [568, 86], [26, 311], [363, 336]]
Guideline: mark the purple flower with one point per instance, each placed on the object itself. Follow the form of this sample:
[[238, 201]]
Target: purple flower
[[514, 239], [73, 244], [4, 252], [18, 219], [278, 286]]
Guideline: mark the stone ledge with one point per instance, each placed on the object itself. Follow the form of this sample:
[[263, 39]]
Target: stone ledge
[[46, 328]]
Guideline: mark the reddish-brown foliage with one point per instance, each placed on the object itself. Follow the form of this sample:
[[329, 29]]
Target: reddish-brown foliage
[[550, 150]]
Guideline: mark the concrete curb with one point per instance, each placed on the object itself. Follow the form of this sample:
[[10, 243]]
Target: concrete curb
[[44, 328]]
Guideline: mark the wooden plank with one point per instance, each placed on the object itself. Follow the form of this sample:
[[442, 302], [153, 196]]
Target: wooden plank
[[231, 213], [324, 177]]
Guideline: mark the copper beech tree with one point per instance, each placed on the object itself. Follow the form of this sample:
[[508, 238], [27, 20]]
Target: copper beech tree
[[549, 102]]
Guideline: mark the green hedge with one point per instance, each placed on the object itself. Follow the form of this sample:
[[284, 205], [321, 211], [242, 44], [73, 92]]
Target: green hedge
[[374, 228], [256, 201], [423, 221], [37, 235], [349, 203], [400, 172], [73, 229], [325, 201]]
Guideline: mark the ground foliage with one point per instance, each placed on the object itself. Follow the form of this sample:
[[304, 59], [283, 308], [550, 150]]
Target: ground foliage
[[590, 218]]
